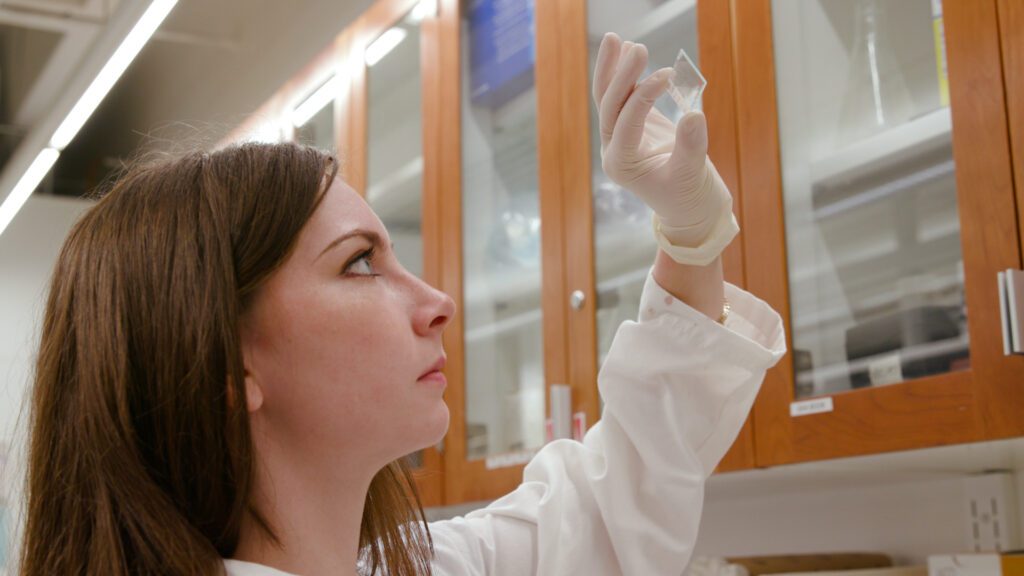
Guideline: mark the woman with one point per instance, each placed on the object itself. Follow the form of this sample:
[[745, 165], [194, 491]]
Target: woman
[[233, 364]]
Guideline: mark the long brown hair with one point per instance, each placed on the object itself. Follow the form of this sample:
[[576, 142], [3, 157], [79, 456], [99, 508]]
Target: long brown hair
[[138, 461]]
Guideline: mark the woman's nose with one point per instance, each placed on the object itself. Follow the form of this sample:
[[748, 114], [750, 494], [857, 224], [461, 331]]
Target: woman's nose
[[434, 312]]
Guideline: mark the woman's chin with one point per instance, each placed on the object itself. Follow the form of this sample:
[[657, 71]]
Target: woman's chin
[[440, 425], [434, 429]]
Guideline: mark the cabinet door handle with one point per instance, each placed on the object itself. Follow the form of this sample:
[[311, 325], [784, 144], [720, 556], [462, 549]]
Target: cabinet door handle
[[1011, 310], [577, 299]]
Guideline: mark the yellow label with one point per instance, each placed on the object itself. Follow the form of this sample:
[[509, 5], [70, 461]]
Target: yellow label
[[940, 60]]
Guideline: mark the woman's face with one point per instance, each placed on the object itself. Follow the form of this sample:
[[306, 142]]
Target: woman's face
[[338, 341]]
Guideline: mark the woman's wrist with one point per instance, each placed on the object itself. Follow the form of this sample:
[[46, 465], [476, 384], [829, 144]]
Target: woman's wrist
[[700, 287]]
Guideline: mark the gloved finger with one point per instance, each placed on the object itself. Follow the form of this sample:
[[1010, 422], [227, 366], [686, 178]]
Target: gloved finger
[[604, 68], [619, 58], [691, 147], [631, 65], [615, 61], [632, 121]]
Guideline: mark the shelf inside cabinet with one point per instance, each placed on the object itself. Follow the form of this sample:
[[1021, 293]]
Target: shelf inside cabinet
[[879, 153], [533, 315], [624, 247], [504, 326], [940, 348], [874, 270], [511, 287]]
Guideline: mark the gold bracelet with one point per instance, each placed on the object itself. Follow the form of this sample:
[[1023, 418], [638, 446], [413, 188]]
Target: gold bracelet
[[725, 311]]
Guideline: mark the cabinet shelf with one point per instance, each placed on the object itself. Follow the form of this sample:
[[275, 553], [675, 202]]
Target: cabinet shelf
[[505, 288], [515, 284], [883, 150], [504, 326], [871, 270], [907, 157], [837, 317], [632, 278], [533, 315], [909, 354]]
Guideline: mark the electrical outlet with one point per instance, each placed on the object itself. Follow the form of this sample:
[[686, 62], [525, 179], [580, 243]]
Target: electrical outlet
[[991, 509]]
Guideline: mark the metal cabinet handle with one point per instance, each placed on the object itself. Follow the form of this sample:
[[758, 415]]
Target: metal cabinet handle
[[1011, 310], [577, 299]]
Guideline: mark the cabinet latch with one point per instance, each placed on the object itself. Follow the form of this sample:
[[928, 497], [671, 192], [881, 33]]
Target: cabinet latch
[[1011, 310]]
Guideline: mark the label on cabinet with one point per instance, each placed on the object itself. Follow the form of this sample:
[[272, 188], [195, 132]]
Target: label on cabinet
[[886, 369], [813, 406]]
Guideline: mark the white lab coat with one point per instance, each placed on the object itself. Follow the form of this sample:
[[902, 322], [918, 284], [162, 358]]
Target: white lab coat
[[677, 388]]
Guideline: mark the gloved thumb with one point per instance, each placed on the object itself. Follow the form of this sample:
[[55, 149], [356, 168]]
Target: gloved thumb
[[691, 146]]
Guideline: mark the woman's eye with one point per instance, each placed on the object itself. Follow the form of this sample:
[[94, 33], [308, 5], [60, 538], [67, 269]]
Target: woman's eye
[[362, 265]]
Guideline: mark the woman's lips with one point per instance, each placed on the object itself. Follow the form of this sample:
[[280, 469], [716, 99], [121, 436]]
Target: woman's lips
[[435, 376], [436, 372]]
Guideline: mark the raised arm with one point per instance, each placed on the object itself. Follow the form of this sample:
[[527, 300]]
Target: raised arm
[[677, 383]]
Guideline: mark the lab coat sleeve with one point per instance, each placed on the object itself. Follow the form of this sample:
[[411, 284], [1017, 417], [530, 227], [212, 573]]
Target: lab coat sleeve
[[677, 388]]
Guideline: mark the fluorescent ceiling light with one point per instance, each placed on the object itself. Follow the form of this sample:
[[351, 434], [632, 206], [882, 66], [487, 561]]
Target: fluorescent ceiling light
[[109, 74], [425, 9], [24, 188], [380, 47], [316, 101]]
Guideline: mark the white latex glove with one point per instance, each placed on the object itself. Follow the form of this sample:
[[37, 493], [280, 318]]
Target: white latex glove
[[665, 165]]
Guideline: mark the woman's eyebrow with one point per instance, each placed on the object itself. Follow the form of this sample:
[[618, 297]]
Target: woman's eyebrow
[[369, 235]]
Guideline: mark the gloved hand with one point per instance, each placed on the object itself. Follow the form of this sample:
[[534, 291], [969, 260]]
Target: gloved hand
[[665, 165]]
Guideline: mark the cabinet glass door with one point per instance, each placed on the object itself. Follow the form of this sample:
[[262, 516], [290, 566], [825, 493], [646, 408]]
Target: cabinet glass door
[[394, 141], [501, 250], [872, 226], [619, 238], [624, 247]]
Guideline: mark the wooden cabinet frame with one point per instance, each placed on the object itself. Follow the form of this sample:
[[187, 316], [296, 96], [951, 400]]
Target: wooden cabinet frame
[[564, 101], [714, 37], [1011, 34], [977, 404], [468, 480]]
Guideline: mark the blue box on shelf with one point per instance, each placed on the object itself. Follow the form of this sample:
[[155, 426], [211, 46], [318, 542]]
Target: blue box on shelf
[[503, 51]]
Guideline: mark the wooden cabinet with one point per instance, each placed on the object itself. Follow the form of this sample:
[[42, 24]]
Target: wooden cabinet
[[1011, 35], [876, 217], [595, 245], [501, 252], [607, 239], [878, 242]]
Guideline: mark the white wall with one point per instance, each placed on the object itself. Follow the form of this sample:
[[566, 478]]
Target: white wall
[[908, 505], [907, 520], [28, 250]]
